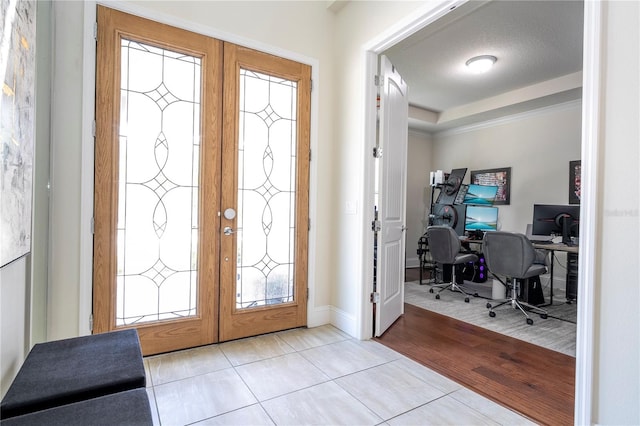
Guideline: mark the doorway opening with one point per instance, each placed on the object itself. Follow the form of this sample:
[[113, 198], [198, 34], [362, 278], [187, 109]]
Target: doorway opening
[[590, 120]]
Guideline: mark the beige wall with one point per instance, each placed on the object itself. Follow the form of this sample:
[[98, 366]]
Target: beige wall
[[537, 146], [419, 164]]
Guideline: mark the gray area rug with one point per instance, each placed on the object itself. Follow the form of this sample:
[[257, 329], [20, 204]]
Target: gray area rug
[[557, 332]]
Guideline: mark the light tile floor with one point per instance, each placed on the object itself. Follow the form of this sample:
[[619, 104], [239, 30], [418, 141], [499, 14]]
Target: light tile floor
[[317, 376]]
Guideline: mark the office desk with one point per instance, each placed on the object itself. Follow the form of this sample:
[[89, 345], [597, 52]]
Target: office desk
[[553, 248]]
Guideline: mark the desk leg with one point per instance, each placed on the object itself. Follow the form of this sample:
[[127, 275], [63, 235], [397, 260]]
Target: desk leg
[[550, 282], [551, 279]]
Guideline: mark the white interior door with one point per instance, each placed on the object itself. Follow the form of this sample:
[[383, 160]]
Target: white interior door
[[392, 139]]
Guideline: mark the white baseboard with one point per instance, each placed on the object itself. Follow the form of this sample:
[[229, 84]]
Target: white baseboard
[[344, 321], [318, 316], [323, 315]]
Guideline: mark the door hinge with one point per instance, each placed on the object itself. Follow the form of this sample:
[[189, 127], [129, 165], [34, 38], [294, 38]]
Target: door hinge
[[93, 128], [377, 80], [375, 226], [91, 323], [93, 226], [374, 297], [95, 31], [309, 155], [377, 152], [309, 224], [311, 86]]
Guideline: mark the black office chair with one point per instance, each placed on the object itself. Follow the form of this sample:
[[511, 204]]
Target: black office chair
[[444, 246], [512, 256]]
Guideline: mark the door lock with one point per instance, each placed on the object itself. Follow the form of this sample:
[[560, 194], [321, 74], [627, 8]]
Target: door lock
[[228, 230]]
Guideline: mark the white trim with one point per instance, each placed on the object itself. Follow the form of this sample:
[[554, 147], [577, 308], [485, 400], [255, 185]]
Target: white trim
[[564, 106], [417, 20], [319, 315], [585, 340], [344, 321], [85, 288], [87, 167], [364, 309]]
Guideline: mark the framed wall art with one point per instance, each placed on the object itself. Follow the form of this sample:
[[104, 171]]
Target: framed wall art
[[495, 177], [17, 127], [575, 172]]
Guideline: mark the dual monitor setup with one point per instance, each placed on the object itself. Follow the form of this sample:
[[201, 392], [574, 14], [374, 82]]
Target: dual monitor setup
[[469, 210]]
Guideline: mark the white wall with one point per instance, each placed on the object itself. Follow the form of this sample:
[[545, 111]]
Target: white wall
[[419, 163], [537, 146], [14, 322]]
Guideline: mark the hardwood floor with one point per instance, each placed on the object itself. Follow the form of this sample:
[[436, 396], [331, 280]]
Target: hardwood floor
[[534, 381]]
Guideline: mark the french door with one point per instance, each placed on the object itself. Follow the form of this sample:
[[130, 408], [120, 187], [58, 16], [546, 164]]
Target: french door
[[201, 186]]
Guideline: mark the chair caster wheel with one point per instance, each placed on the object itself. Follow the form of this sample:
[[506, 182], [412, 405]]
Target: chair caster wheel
[[529, 321], [430, 290], [492, 314], [466, 299], [475, 295], [543, 316], [437, 296], [488, 305]]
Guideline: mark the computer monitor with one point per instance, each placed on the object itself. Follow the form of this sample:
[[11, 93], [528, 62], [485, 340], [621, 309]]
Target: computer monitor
[[554, 219], [482, 195], [449, 215], [480, 218]]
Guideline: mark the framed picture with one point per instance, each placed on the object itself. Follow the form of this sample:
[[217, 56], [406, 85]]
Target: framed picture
[[18, 131], [495, 177], [575, 170]]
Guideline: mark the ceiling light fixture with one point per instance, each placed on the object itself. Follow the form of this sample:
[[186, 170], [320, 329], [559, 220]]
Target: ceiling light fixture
[[482, 63]]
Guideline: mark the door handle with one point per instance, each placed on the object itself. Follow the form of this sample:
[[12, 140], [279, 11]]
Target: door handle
[[228, 230]]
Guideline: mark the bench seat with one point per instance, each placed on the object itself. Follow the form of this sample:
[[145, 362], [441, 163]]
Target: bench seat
[[129, 408], [71, 370]]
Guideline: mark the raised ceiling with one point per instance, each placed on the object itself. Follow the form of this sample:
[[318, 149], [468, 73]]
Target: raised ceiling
[[539, 49]]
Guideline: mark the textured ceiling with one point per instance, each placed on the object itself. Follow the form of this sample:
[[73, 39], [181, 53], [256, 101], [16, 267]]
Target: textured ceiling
[[535, 42]]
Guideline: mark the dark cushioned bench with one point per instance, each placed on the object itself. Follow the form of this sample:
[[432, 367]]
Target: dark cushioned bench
[[71, 370], [123, 408]]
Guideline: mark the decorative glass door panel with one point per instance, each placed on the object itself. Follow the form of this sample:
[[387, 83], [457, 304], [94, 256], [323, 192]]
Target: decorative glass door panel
[[157, 168], [266, 190], [265, 179], [158, 191]]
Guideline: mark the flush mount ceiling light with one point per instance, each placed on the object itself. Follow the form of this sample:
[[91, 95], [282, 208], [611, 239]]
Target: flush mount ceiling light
[[482, 63]]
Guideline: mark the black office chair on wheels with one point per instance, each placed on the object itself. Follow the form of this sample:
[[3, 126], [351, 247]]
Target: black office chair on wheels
[[512, 256], [444, 246]]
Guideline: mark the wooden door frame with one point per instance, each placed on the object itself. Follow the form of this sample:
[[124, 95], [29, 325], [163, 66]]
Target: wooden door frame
[[316, 315]]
